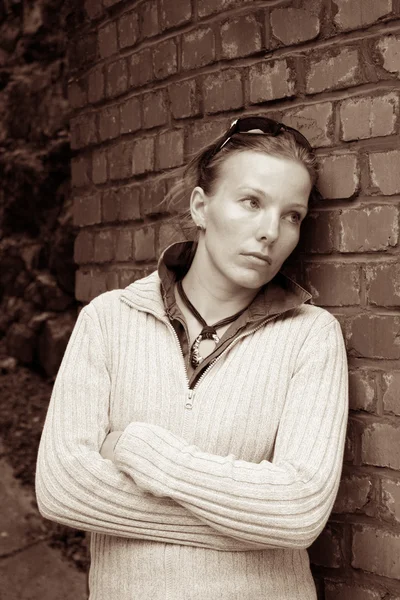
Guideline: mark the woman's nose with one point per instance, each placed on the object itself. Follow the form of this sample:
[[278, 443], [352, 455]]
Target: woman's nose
[[268, 228]]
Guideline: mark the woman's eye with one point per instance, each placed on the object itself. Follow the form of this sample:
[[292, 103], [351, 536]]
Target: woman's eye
[[251, 202], [295, 217]]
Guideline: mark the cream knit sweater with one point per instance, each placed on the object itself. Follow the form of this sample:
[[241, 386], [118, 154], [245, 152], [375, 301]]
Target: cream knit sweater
[[214, 493]]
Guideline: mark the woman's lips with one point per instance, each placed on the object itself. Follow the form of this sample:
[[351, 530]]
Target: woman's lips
[[258, 258]]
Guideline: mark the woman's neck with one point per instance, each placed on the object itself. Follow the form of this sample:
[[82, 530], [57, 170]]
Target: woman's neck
[[214, 297]]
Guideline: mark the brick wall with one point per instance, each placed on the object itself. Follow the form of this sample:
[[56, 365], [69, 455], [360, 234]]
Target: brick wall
[[153, 81]]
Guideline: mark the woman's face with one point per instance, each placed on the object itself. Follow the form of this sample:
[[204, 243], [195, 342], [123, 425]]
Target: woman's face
[[252, 219]]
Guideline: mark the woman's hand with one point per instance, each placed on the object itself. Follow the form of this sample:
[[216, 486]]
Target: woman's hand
[[107, 449]]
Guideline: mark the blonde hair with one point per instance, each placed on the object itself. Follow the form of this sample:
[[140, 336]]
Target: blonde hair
[[204, 169]]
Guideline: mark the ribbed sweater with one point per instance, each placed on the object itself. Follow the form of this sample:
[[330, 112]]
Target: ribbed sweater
[[214, 492]]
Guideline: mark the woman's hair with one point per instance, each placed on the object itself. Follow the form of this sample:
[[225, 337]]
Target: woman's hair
[[204, 172]]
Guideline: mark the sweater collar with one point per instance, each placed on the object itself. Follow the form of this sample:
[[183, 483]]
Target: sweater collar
[[150, 294]]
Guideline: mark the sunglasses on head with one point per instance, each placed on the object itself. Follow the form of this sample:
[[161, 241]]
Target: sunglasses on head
[[267, 127]]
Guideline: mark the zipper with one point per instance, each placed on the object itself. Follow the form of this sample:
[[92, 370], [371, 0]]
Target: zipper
[[191, 391]]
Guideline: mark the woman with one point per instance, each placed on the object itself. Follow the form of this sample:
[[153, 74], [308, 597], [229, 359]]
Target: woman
[[197, 422]]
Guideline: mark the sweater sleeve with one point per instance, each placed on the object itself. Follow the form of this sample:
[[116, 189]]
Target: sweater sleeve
[[284, 503], [75, 486]]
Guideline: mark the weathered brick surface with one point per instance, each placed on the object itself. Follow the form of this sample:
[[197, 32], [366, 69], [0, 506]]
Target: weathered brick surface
[[270, 81], [223, 91], [391, 392], [334, 70], [294, 25], [355, 14], [362, 390], [241, 37], [152, 82], [389, 49], [377, 551], [315, 122], [374, 336], [385, 171], [383, 284], [363, 118], [198, 48], [338, 176], [333, 284], [367, 229], [128, 29]]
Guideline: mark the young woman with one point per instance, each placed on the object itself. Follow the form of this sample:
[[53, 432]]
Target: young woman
[[198, 419]]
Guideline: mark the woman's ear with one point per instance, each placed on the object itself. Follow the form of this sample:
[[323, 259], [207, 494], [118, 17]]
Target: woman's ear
[[198, 207]]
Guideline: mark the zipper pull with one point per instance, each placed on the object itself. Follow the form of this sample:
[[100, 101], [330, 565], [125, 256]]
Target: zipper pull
[[189, 400]]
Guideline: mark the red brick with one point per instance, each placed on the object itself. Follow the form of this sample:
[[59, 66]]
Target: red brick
[[334, 70], [353, 495], [99, 167], [315, 122], [96, 85], [175, 13], [83, 286], [84, 248], [198, 48], [117, 78], [120, 160], [93, 9], [391, 392], [128, 276], [124, 249], [107, 40], [391, 499], [270, 81], [108, 3], [104, 246], [110, 206], [129, 203], [356, 14], [374, 336], [165, 60], [368, 229], [143, 156], [326, 550], [77, 94], [389, 49], [333, 284], [377, 551], [144, 244], [169, 150], [342, 591], [140, 68], [130, 115], [154, 193], [201, 134], [87, 210], [383, 284], [240, 37], [83, 131], [168, 234], [154, 109], [183, 99], [109, 123], [362, 390], [80, 171], [149, 18], [294, 25], [339, 176], [385, 171], [128, 29], [223, 91], [319, 232], [363, 118]]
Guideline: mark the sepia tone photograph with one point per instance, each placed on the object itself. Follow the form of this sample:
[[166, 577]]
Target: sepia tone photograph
[[200, 299]]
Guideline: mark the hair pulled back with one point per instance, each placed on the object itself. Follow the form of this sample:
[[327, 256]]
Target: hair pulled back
[[204, 172]]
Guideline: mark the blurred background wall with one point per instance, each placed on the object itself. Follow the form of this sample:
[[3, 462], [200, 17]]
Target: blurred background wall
[[149, 83]]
